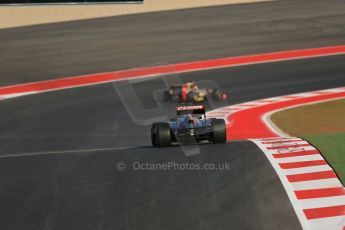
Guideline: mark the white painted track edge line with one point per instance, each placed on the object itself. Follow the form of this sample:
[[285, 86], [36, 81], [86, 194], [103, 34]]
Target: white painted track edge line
[[315, 184], [309, 169], [323, 202], [62, 152], [313, 157]]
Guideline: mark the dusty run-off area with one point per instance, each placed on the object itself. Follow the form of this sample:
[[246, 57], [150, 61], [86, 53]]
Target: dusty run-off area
[[321, 118], [321, 124], [15, 16]]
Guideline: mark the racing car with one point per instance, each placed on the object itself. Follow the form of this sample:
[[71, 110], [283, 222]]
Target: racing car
[[190, 127], [190, 93]]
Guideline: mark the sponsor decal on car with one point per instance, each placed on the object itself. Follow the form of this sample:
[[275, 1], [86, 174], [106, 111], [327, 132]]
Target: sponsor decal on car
[[191, 107]]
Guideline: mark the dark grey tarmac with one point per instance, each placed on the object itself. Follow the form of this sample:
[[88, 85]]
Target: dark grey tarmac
[[49, 182]]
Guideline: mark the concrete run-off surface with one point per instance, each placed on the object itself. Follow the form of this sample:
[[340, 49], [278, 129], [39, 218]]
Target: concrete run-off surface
[[15, 16]]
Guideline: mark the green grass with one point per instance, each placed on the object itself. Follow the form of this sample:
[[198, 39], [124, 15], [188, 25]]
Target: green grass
[[332, 147], [321, 124]]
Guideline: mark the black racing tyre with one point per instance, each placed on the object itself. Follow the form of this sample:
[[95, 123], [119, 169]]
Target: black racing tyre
[[154, 134], [179, 98], [218, 131], [163, 135], [216, 95], [190, 98], [166, 96], [211, 120]]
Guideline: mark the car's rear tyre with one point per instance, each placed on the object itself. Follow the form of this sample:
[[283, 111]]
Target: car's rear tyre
[[161, 134], [218, 131], [154, 134], [218, 95], [214, 94], [166, 96]]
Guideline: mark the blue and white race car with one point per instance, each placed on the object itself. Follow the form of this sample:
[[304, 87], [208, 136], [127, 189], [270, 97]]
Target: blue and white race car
[[190, 127]]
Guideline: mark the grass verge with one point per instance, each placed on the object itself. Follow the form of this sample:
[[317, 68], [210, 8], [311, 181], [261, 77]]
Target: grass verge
[[321, 124], [333, 148]]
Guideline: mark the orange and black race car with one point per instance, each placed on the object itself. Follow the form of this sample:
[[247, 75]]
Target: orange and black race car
[[190, 93]]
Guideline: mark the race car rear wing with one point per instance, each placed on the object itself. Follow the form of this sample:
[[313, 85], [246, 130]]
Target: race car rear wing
[[190, 109]]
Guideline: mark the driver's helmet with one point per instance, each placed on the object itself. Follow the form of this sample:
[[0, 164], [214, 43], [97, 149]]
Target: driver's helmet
[[194, 87], [195, 119], [184, 120]]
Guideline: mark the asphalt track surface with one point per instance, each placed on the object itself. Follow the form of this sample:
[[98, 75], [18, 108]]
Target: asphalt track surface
[[45, 187], [92, 46], [83, 189]]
